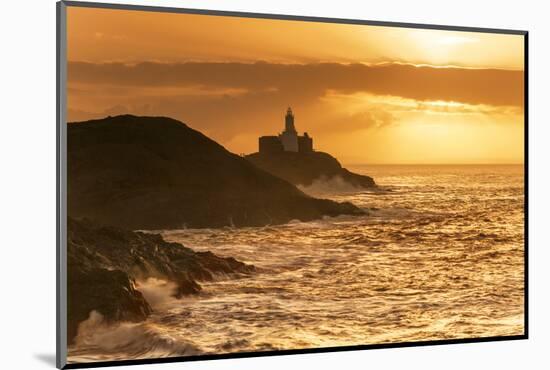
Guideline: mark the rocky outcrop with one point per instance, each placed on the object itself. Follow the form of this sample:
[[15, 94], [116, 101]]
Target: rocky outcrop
[[155, 173], [104, 263], [305, 168], [110, 292]]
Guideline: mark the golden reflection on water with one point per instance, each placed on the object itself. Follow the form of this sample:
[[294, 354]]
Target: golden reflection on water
[[440, 256]]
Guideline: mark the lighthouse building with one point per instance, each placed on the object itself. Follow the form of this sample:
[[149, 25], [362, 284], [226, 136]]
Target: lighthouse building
[[286, 141]]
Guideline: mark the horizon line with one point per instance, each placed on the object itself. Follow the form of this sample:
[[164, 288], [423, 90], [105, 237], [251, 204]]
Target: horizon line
[[436, 164]]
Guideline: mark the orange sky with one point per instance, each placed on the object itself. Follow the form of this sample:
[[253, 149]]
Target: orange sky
[[366, 94]]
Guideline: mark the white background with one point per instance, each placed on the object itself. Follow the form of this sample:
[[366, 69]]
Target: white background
[[27, 181]]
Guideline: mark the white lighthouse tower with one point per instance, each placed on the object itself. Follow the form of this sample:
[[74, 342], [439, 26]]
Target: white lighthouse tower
[[289, 137]]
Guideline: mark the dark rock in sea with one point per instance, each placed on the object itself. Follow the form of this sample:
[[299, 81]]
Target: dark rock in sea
[[109, 292], [155, 173], [104, 262], [304, 168]]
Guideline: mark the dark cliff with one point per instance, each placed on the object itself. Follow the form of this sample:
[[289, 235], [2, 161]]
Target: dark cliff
[[156, 172], [304, 168]]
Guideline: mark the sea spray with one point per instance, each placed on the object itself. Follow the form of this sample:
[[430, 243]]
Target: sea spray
[[157, 292], [117, 340]]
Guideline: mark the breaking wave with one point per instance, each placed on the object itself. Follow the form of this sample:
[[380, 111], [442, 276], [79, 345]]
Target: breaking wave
[[157, 292], [325, 185], [125, 340]]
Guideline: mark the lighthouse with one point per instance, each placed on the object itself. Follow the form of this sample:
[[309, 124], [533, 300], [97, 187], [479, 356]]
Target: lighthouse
[[289, 137], [288, 140]]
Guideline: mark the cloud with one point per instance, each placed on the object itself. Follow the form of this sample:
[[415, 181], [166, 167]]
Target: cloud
[[371, 117], [472, 86], [234, 103]]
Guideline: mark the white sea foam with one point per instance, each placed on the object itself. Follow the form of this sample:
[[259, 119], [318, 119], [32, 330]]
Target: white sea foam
[[124, 340], [157, 292], [325, 185]]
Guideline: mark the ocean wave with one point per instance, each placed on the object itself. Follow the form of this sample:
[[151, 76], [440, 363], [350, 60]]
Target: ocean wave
[[124, 340], [157, 292], [324, 185]]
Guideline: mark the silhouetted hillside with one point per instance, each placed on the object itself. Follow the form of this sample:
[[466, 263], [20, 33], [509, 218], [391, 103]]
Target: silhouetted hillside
[[155, 172], [304, 168]]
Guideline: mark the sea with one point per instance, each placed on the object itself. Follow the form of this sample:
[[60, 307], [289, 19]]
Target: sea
[[438, 255]]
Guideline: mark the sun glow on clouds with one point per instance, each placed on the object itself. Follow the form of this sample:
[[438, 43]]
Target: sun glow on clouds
[[465, 49], [448, 38], [359, 102], [415, 131]]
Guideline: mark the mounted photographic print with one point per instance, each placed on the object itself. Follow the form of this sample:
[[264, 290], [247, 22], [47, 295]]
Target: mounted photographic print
[[236, 184]]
